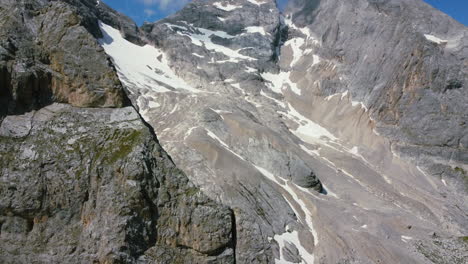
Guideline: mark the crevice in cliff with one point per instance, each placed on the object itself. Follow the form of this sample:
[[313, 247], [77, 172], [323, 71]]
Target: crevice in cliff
[[281, 36], [234, 234]]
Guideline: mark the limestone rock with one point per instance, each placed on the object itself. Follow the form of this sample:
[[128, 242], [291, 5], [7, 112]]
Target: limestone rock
[[86, 185]]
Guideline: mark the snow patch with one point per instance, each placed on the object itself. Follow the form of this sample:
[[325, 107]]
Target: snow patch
[[226, 7], [257, 2], [308, 214], [435, 39], [197, 55], [308, 131], [406, 238], [142, 67], [256, 29], [203, 39], [315, 60], [276, 82], [292, 237], [295, 44]]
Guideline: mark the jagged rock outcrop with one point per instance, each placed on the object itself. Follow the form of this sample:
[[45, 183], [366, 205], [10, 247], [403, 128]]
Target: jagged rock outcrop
[[49, 54], [88, 185], [85, 185]]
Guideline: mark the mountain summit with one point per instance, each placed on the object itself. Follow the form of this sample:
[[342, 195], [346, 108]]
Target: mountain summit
[[231, 132]]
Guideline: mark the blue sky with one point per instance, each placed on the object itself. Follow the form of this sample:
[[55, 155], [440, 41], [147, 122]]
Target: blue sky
[[152, 10]]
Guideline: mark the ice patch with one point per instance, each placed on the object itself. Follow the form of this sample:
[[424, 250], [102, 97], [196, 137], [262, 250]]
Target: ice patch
[[203, 39], [174, 109], [354, 103], [250, 69], [406, 238], [308, 130], [293, 238], [197, 55], [255, 29], [276, 82], [153, 104], [315, 60], [140, 66], [226, 7], [308, 214], [237, 86], [444, 182], [435, 39], [295, 44], [256, 2]]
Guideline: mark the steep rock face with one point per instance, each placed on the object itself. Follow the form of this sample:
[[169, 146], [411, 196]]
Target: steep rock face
[[82, 185], [262, 114], [94, 185], [47, 55], [407, 63]]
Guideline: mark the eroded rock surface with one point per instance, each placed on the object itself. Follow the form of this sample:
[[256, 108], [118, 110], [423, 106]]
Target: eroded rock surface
[[84, 185], [48, 54]]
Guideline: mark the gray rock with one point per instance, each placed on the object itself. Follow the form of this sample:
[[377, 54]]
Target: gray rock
[[90, 185]]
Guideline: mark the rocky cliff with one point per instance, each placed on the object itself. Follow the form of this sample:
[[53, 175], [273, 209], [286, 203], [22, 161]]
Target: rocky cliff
[[88, 185], [332, 132]]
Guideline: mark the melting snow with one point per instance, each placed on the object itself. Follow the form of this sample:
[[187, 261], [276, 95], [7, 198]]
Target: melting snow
[[444, 182], [227, 7], [435, 39], [237, 86], [256, 2], [140, 66], [406, 238], [276, 82], [308, 129], [197, 55], [152, 104], [203, 39], [255, 29], [315, 60], [292, 237], [295, 44], [250, 69]]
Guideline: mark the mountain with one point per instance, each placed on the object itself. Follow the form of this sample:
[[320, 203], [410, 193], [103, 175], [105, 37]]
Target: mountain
[[332, 132]]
